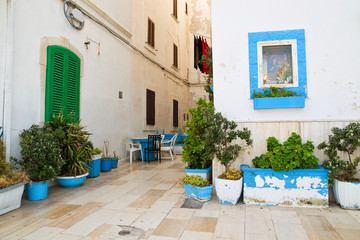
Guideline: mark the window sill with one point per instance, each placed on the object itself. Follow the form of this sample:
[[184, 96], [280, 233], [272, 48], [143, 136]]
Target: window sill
[[175, 18], [279, 102], [150, 48], [175, 68]]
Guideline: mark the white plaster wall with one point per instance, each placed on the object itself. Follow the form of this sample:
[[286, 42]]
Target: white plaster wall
[[332, 33], [104, 114], [3, 34], [332, 53]]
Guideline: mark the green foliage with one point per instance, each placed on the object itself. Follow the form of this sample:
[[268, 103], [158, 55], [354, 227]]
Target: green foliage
[[76, 147], [273, 92], [232, 174], [8, 176], [40, 153], [96, 151], [196, 151], [195, 181], [292, 154], [222, 133], [347, 141]]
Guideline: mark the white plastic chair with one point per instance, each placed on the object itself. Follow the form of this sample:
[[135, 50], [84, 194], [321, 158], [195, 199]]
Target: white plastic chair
[[169, 148], [133, 148]]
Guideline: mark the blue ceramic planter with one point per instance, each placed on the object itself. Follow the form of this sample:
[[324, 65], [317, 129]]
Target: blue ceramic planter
[[114, 162], [204, 173], [71, 181], [94, 168], [106, 165], [201, 194], [37, 190]]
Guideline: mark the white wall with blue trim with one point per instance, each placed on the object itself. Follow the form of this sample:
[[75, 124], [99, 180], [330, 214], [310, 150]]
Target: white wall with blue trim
[[332, 59]]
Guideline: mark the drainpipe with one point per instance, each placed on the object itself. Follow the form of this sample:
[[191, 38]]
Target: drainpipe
[[8, 76]]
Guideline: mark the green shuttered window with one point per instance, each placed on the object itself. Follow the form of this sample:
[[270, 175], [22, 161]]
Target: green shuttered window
[[62, 83]]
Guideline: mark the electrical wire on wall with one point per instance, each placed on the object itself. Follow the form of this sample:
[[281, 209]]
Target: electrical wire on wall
[[76, 16]]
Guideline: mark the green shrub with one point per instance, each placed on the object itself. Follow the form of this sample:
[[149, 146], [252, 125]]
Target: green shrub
[[274, 92], [8, 176], [292, 154], [40, 153], [345, 140], [196, 151]]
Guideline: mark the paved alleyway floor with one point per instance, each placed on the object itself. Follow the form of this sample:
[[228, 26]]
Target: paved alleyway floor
[[143, 201]]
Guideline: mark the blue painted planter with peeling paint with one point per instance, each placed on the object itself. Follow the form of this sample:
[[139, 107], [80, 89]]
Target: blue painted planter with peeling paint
[[295, 188], [201, 194]]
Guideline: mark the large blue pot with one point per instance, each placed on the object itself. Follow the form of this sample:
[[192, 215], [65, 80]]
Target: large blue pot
[[114, 162], [71, 181], [94, 167], [106, 165], [37, 190]]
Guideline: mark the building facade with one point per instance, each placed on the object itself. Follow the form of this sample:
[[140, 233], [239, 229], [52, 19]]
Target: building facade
[[317, 41], [124, 67]]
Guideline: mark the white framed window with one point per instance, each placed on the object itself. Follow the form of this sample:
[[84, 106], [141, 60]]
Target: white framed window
[[277, 63]]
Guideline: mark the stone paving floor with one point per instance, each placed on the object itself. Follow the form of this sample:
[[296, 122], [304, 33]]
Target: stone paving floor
[[142, 201]]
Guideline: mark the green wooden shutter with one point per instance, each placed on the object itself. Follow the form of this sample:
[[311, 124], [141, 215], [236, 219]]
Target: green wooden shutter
[[62, 83]]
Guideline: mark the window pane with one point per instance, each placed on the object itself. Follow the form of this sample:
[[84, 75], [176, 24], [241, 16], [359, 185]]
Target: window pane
[[277, 65]]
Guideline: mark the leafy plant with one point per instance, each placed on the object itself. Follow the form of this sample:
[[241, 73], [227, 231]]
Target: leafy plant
[[274, 92], [40, 153], [232, 174], [209, 75], [195, 181], [222, 133], [347, 141], [196, 151], [8, 176], [96, 151], [76, 147], [292, 154]]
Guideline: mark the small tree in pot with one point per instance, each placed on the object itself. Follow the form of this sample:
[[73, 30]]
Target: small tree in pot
[[342, 171], [223, 132]]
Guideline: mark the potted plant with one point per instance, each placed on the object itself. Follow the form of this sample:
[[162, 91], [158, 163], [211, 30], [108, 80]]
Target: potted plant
[[94, 163], [76, 148], [343, 167], [196, 151], [11, 184], [197, 188], [286, 175], [114, 161], [223, 132], [106, 159], [40, 158]]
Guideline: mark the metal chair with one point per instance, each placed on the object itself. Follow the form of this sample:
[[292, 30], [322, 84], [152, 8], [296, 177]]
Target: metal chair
[[133, 148], [169, 148], [154, 145]]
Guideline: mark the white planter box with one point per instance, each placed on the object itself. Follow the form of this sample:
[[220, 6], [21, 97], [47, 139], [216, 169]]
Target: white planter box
[[10, 198], [228, 191], [347, 194]]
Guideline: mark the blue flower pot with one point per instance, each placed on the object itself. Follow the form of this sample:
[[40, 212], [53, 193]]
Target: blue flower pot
[[201, 194], [114, 162], [71, 181], [94, 167], [37, 190], [106, 165]]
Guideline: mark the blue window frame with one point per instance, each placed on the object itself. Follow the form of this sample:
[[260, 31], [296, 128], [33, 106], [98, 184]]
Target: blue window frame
[[277, 38]]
